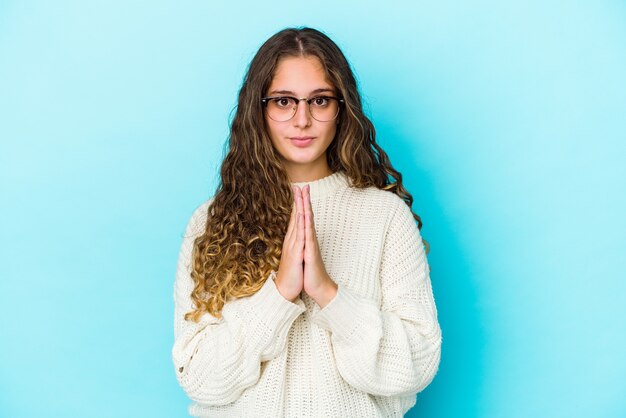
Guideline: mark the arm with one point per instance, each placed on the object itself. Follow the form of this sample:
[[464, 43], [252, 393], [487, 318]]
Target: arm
[[217, 359], [394, 350]]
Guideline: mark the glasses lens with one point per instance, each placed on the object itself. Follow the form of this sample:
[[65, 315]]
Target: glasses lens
[[281, 109], [324, 109]]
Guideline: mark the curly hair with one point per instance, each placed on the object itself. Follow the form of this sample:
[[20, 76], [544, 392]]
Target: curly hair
[[249, 214]]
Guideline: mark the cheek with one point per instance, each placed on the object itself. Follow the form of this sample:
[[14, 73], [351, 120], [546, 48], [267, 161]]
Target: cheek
[[272, 129], [331, 131]]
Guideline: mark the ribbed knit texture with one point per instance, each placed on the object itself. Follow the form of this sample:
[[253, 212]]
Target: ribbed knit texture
[[366, 354]]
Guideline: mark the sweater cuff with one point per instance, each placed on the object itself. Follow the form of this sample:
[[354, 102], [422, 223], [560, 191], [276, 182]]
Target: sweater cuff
[[267, 317], [348, 317], [270, 305]]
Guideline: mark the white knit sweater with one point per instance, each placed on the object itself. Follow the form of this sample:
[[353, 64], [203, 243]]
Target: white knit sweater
[[366, 354]]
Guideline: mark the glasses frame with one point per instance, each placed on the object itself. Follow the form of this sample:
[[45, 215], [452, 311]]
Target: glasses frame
[[308, 101]]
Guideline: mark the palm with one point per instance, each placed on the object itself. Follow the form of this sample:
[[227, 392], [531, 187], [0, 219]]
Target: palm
[[301, 264]]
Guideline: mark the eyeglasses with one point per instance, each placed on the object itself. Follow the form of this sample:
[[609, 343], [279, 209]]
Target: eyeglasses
[[283, 108]]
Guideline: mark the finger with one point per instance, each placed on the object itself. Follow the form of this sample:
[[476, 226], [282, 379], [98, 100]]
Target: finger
[[313, 231], [299, 227], [292, 225], [300, 231], [292, 218], [299, 202], [306, 199], [308, 214]]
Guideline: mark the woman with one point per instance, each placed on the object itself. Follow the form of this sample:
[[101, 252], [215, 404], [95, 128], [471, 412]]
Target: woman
[[303, 287]]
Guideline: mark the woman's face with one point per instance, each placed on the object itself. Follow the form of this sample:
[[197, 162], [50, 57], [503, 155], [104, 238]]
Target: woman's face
[[304, 160]]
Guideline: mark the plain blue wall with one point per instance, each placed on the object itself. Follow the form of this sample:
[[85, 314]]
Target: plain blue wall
[[507, 121]]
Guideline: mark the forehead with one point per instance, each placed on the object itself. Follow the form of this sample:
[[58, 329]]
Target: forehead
[[299, 75]]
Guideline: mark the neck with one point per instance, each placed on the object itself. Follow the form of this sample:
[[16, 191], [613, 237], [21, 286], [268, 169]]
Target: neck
[[325, 186], [299, 173]]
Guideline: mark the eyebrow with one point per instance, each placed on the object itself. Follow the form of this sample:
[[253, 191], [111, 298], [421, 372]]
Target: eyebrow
[[320, 90]]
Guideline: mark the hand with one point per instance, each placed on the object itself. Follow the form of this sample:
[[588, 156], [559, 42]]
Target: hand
[[317, 282], [300, 247], [290, 275]]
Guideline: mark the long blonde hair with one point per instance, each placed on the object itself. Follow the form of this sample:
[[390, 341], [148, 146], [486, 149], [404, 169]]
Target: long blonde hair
[[249, 214]]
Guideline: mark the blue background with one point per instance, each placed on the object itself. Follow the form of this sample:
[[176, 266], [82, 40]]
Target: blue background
[[507, 120]]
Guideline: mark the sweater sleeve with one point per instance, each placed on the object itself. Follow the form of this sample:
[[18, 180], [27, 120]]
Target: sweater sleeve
[[215, 360], [395, 349]]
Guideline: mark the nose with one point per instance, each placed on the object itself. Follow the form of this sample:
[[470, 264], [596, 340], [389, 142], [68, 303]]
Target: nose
[[302, 118]]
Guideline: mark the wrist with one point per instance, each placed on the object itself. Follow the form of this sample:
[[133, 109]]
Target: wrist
[[326, 293], [288, 295]]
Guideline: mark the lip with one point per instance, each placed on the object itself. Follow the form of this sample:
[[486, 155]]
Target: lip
[[302, 141]]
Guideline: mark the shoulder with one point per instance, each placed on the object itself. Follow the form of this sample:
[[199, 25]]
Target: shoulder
[[380, 207], [392, 209], [198, 219], [383, 202]]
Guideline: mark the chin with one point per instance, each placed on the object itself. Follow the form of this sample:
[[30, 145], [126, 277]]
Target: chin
[[301, 155], [303, 158]]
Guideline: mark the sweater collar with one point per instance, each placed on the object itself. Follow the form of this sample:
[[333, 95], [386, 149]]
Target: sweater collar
[[325, 185]]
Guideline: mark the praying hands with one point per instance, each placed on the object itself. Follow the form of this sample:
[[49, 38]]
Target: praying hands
[[301, 265]]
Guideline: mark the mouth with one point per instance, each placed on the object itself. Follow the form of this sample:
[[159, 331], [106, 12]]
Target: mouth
[[301, 141]]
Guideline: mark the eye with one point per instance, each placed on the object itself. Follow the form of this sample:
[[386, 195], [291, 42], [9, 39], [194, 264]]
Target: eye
[[283, 102], [320, 101]]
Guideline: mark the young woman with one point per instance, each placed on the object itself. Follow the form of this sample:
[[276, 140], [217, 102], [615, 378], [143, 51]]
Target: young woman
[[303, 287]]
